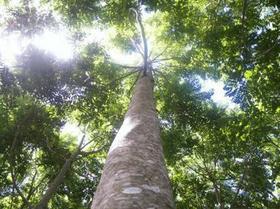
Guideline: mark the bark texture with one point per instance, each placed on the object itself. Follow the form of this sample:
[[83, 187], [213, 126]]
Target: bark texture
[[134, 174]]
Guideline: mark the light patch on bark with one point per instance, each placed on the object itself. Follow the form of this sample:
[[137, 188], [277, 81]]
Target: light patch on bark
[[127, 126], [150, 161], [155, 189], [153, 206], [132, 190]]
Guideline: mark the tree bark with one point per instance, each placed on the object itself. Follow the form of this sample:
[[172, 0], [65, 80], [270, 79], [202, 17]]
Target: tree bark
[[134, 174]]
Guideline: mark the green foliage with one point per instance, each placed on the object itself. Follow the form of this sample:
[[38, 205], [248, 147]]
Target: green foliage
[[217, 158]]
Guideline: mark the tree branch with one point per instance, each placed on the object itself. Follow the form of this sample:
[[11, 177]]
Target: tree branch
[[12, 164], [245, 5], [31, 189], [145, 45], [127, 66], [122, 77], [32, 186], [240, 182], [137, 48], [85, 154], [18, 189], [155, 58]]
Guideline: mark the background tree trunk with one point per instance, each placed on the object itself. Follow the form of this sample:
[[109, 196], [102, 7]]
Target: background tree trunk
[[135, 175], [58, 180]]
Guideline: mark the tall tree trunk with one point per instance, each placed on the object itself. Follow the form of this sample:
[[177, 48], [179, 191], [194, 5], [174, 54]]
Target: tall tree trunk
[[134, 174]]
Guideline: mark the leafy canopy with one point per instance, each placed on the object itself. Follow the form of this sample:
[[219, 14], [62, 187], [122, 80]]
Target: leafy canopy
[[216, 157]]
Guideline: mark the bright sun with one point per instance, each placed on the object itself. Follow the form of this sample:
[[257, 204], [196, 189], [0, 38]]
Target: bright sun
[[57, 43]]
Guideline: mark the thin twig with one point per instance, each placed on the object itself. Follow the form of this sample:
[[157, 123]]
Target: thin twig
[[137, 47], [32, 185], [161, 73], [122, 77], [85, 154], [127, 66], [90, 141], [241, 180], [166, 59], [159, 54]]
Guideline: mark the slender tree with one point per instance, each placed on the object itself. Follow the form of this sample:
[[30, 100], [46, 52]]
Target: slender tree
[[135, 175]]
